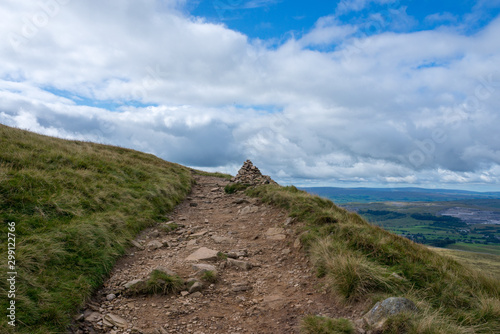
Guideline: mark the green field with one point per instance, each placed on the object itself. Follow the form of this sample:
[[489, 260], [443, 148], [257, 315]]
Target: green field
[[422, 222]]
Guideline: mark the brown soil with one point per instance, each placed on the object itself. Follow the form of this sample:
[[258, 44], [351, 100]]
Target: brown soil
[[278, 291]]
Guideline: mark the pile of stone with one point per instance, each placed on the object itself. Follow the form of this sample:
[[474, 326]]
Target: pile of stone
[[250, 174]]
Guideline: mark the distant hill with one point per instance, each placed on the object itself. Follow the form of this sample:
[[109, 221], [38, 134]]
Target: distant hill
[[367, 195]]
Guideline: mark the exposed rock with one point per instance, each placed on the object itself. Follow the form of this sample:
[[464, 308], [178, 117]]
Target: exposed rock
[[248, 209], [202, 267], [197, 286], [196, 294], [137, 245], [239, 287], [276, 233], [155, 244], [132, 283], [198, 234], [377, 316], [111, 296], [203, 254], [220, 240], [93, 317], [240, 201], [239, 264], [115, 320], [234, 254], [250, 174]]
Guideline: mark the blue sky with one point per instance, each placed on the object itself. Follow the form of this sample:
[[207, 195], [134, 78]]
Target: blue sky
[[344, 93], [275, 19]]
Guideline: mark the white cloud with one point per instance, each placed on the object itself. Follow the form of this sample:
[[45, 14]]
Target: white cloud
[[391, 108]]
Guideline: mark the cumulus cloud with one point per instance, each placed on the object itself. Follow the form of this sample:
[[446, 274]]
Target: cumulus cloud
[[330, 106]]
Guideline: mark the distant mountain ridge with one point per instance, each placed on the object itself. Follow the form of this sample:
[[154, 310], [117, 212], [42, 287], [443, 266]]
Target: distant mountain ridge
[[407, 194]]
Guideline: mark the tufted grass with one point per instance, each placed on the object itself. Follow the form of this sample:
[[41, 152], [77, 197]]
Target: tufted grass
[[76, 206]]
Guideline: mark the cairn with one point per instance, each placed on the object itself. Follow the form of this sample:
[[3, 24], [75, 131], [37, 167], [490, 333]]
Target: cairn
[[250, 174]]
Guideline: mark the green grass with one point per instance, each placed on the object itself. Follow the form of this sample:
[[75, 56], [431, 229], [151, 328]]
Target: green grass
[[357, 260], [231, 188], [76, 206], [479, 248], [216, 174], [209, 276], [162, 283], [323, 325]]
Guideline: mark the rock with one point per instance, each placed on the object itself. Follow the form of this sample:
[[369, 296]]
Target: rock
[[297, 243], [193, 204], [276, 233], [377, 316], [289, 221], [202, 267], [184, 293], [137, 245], [239, 287], [134, 283], [93, 317], [214, 189], [203, 254], [221, 240], [115, 320], [240, 201], [155, 244], [286, 251], [196, 294], [198, 234], [234, 254], [197, 286], [239, 264], [248, 209], [111, 296]]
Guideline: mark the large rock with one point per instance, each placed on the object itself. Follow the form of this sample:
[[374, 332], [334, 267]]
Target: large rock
[[276, 233], [114, 320], [378, 315], [203, 267], [203, 254], [239, 264]]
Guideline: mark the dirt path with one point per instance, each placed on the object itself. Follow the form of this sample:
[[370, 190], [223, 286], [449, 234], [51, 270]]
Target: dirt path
[[270, 297]]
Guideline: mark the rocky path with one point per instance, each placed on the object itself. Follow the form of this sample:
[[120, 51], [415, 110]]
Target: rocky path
[[264, 282]]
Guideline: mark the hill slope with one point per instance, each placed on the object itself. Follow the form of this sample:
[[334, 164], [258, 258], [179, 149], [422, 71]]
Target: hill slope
[[75, 206]]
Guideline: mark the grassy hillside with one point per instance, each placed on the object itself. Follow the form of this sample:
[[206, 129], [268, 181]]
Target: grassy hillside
[[75, 206], [485, 262], [358, 260]]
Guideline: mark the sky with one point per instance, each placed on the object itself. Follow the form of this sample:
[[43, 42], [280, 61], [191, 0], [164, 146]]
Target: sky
[[349, 93]]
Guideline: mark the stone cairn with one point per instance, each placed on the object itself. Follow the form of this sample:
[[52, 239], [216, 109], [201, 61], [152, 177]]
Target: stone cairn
[[250, 174]]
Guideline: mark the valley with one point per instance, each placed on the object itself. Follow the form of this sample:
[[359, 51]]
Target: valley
[[440, 218]]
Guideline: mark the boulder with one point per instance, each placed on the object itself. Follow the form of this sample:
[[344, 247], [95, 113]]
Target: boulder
[[378, 315], [114, 320], [203, 254]]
